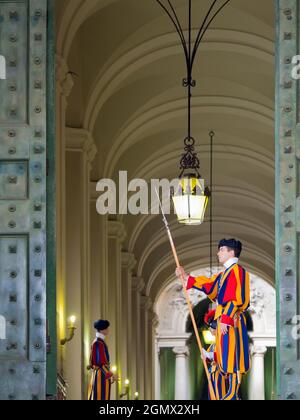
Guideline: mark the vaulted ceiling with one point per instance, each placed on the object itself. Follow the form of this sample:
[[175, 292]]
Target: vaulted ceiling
[[129, 94]]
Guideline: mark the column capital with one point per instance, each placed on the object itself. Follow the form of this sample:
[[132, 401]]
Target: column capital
[[181, 351], [259, 351], [116, 230], [138, 284], [64, 77], [79, 140], [128, 260], [146, 303]]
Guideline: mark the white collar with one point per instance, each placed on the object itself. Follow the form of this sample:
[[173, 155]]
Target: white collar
[[101, 336], [231, 262]]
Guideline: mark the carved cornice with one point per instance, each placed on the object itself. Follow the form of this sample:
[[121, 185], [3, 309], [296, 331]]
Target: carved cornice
[[116, 230], [259, 351], [146, 303], [155, 320], [181, 351], [128, 260], [138, 284], [79, 140], [64, 77]]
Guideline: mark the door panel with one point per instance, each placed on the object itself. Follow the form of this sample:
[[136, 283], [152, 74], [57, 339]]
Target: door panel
[[287, 198], [23, 148]]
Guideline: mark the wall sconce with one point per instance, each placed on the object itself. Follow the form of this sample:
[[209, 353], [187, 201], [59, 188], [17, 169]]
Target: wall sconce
[[72, 329], [136, 396], [127, 389]]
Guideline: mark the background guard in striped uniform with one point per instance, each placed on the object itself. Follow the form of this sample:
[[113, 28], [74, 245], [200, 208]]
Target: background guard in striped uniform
[[102, 378], [218, 379]]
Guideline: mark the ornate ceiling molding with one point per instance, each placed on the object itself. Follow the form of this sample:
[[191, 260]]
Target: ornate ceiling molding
[[112, 77], [139, 129]]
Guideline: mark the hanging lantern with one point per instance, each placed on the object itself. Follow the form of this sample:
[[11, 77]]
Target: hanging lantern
[[191, 197], [191, 200]]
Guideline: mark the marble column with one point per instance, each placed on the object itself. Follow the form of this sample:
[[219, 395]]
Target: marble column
[[64, 85], [116, 237], [149, 354], [99, 259], [257, 375], [80, 153], [138, 286], [157, 372], [128, 264], [181, 373], [145, 368], [155, 359]]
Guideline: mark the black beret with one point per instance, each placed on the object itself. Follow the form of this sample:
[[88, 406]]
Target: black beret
[[101, 325], [231, 243]]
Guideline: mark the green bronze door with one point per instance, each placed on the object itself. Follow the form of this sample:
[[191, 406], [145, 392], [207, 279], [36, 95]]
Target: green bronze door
[[23, 198], [288, 196]]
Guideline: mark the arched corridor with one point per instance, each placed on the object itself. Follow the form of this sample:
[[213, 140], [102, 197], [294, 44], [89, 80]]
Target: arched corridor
[[102, 110], [121, 107]]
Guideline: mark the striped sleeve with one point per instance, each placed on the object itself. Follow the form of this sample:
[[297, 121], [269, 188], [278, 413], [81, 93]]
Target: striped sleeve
[[205, 284]]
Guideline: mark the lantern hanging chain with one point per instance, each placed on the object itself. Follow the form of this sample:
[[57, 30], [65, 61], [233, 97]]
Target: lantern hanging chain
[[190, 75], [190, 159]]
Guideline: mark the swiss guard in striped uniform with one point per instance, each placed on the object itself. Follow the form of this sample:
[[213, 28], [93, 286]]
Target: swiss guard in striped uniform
[[230, 290], [102, 377], [218, 380]]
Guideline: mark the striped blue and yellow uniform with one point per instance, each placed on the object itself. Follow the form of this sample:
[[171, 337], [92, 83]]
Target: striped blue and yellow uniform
[[100, 384], [218, 379]]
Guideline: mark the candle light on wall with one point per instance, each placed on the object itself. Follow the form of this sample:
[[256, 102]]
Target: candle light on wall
[[72, 321], [72, 328], [126, 392]]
